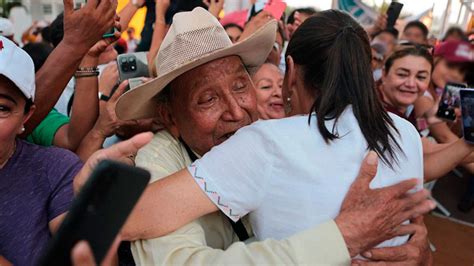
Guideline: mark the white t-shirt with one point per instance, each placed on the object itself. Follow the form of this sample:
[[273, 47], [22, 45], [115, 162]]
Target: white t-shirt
[[284, 174]]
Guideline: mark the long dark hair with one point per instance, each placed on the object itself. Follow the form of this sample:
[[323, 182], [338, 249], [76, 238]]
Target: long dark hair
[[334, 53]]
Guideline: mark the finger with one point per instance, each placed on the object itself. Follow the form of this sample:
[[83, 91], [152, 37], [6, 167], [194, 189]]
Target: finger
[[82, 254], [387, 254], [68, 7], [111, 254], [128, 147], [406, 229], [92, 4], [120, 90], [410, 200], [104, 7], [403, 187], [420, 209], [417, 220], [368, 170]]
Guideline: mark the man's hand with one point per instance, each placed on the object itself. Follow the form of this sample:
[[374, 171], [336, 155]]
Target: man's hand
[[415, 252], [84, 27], [255, 23], [118, 152], [371, 216], [379, 25]]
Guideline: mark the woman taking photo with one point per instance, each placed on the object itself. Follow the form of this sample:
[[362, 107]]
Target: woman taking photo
[[278, 170], [406, 77]]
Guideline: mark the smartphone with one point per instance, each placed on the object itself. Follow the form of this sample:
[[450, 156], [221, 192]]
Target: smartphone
[[393, 12], [133, 65], [450, 99], [276, 8], [98, 212], [467, 111]]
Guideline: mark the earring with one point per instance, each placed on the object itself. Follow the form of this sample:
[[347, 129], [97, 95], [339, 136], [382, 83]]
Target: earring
[[287, 106], [22, 130]]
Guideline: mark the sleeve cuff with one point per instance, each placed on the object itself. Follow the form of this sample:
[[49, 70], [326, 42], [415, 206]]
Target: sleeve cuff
[[210, 190], [322, 245]]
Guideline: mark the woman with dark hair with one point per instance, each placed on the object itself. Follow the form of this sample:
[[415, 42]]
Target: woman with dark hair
[[406, 78], [278, 170], [455, 34]]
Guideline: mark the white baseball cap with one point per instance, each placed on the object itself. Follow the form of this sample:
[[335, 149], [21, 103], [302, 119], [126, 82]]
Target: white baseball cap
[[17, 66], [6, 27]]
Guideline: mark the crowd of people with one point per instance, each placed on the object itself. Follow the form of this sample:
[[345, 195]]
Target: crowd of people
[[274, 140]]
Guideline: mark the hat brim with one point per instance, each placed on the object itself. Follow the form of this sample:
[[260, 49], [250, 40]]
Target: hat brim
[[253, 51]]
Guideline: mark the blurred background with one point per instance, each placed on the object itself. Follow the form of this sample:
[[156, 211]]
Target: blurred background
[[438, 15]]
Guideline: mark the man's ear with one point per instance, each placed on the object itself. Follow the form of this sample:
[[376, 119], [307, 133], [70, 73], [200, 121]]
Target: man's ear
[[166, 118]]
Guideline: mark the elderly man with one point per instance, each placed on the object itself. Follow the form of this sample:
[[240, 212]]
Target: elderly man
[[203, 94]]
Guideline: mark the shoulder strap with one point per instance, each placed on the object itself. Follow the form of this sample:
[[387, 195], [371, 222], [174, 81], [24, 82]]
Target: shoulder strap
[[238, 226]]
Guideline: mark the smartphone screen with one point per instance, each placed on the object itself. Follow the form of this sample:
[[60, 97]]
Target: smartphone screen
[[450, 99], [467, 111]]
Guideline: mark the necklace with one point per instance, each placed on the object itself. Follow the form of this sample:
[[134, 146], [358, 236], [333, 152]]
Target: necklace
[[9, 157]]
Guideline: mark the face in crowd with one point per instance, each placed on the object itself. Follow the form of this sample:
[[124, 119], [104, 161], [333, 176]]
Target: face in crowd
[[445, 72], [388, 39], [233, 31], [13, 112], [415, 34], [208, 104], [406, 80], [268, 82]]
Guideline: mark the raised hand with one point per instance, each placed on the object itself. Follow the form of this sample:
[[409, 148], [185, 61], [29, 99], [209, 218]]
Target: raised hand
[[84, 27]]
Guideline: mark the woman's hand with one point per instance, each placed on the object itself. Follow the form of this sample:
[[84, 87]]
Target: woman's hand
[[108, 122], [108, 79]]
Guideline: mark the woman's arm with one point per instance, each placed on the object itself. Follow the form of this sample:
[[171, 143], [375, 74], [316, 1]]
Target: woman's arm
[[439, 160], [180, 201], [159, 32]]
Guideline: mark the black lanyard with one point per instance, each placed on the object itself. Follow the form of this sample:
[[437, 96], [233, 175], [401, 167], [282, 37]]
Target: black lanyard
[[238, 226]]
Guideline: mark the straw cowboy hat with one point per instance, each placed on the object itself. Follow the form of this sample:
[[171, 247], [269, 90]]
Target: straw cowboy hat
[[195, 38]]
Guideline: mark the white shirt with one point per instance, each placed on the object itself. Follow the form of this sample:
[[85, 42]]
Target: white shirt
[[284, 174]]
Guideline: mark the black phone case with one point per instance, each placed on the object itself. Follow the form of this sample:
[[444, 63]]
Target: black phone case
[[98, 212], [445, 111], [393, 12], [468, 131]]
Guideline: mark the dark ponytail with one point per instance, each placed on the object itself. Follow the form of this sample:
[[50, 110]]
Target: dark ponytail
[[334, 53]]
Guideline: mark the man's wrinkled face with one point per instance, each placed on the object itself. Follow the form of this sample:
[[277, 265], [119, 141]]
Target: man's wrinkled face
[[211, 102]]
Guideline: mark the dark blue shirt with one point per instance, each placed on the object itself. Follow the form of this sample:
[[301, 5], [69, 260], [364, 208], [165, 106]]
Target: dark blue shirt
[[35, 187]]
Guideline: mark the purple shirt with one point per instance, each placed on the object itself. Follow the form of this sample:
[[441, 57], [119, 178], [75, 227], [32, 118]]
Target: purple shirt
[[35, 187]]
